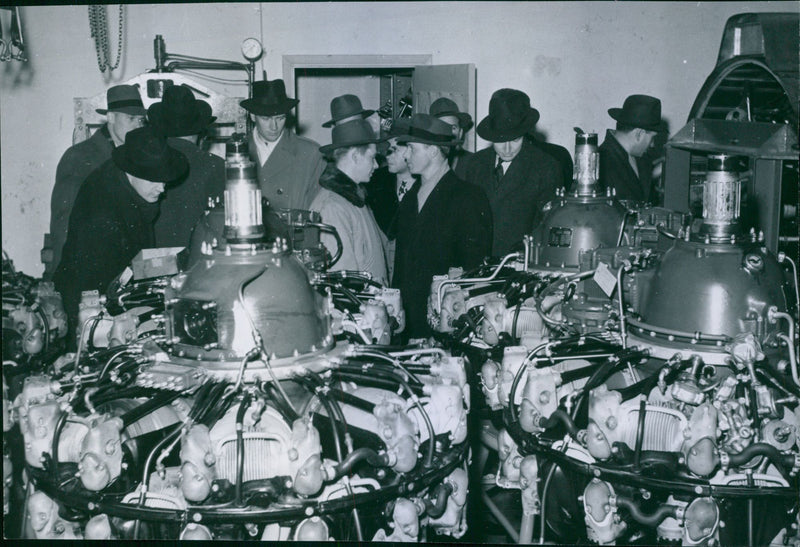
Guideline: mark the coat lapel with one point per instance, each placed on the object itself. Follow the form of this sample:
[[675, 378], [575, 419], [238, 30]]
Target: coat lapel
[[283, 156], [517, 173]]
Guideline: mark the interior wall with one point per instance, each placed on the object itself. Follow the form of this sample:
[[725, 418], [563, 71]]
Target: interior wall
[[574, 59], [315, 92]]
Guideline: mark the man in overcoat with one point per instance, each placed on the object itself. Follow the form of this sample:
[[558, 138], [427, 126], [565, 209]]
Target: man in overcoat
[[517, 177], [182, 118], [341, 199], [113, 216], [624, 164], [289, 166], [447, 110], [442, 222], [124, 112]]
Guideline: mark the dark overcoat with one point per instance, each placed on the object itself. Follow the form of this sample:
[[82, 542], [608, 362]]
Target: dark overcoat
[[289, 178], [75, 165], [184, 203], [529, 182], [616, 171], [382, 198], [110, 223], [458, 160], [454, 228]]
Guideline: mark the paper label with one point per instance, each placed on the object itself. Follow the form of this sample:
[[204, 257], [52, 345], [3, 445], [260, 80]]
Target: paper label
[[605, 278], [126, 276]]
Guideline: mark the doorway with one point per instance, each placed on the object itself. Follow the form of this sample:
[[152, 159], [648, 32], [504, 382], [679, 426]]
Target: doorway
[[393, 84]]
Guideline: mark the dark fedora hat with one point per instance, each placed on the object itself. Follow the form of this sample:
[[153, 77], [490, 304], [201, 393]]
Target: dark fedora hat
[[447, 107], [123, 98], [269, 99], [639, 111], [353, 133], [346, 106], [427, 129], [179, 114], [399, 127], [146, 155], [510, 116]]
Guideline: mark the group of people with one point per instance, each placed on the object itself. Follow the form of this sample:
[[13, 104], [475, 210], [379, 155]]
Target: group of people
[[432, 206]]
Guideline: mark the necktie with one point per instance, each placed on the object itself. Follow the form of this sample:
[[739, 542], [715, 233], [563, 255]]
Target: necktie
[[404, 187], [498, 173]]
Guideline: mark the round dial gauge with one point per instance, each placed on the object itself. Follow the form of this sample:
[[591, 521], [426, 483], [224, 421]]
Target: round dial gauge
[[251, 49]]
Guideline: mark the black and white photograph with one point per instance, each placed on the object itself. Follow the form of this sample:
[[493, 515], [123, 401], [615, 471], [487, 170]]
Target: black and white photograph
[[457, 272]]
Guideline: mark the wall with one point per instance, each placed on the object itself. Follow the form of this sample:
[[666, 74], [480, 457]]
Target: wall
[[315, 92], [575, 60]]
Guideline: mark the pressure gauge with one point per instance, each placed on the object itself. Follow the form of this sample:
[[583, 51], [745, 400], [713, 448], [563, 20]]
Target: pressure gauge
[[251, 49]]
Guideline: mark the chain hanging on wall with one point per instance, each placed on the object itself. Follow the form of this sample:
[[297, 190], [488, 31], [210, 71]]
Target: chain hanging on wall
[[99, 31]]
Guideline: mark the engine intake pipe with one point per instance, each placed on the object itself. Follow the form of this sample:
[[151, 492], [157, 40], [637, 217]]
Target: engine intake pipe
[[653, 519], [436, 505]]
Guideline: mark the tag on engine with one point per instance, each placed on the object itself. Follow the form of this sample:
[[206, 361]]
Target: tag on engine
[[605, 279], [126, 276]]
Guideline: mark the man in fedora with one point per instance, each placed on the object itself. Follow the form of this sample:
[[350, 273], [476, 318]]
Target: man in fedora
[[341, 199], [442, 222], [517, 177], [182, 118], [346, 108], [447, 110], [389, 185], [289, 166], [391, 182], [113, 216], [624, 165], [124, 112]]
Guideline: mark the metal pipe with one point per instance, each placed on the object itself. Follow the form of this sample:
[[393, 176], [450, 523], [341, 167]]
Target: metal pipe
[[240, 447], [796, 281], [471, 280], [526, 528], [501, 518], [543, 520], [622, 228], [637, 454], [792, 358], [145, 473], [622, 327]]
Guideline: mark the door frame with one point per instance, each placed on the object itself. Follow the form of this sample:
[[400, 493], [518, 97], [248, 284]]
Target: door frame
[[294, 62]]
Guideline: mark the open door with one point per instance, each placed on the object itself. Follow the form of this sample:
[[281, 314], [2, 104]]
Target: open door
[[456, 82]]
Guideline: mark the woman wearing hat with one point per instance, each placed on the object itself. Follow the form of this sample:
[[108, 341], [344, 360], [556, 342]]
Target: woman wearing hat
[[623, 162], [113, 216], [182, 118], [341, 199]]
